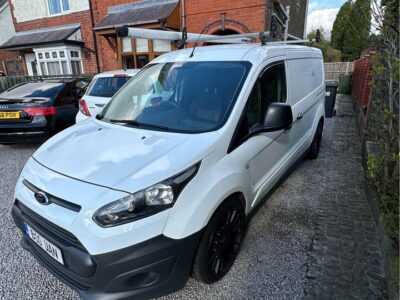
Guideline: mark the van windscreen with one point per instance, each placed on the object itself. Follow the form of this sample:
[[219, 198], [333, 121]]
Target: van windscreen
[[189, 97]]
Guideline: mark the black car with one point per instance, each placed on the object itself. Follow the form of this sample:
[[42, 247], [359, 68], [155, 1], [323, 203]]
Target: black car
[[34, 111]]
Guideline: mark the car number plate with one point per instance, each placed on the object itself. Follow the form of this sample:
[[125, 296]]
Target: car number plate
[[9, 115], [50, 249]]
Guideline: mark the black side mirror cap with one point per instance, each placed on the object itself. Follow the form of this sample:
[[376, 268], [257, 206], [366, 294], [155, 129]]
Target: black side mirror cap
[[279, 116]]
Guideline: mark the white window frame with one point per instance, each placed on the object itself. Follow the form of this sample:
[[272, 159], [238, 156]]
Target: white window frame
[[63, 12], [67, 58]]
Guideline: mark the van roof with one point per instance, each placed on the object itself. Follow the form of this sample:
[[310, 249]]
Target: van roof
[[238, 52]]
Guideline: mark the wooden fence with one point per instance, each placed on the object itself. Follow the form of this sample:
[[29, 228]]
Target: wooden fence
[[362, 87], [333, 71], [7, 82]]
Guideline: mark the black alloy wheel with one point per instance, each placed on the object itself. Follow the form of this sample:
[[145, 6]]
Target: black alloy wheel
[[316, 143], [221, 242]]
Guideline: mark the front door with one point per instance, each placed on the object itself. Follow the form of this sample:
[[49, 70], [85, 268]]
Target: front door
[[31, 64], [264, 153], [267, 165]]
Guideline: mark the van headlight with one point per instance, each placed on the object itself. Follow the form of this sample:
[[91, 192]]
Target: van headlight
[[146, 202]]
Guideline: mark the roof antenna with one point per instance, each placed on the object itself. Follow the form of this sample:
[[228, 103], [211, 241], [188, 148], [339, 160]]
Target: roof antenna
[[195, 45]]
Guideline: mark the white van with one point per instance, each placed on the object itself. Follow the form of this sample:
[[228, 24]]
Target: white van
[[159, 186]]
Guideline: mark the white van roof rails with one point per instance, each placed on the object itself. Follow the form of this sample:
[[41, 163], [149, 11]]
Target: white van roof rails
[[245, 38]]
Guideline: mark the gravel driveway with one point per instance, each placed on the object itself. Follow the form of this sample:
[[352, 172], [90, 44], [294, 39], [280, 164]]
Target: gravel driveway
[[272, 263]]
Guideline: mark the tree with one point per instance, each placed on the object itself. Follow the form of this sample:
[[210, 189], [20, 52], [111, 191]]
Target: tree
[[340, 25], [383, 122], [357, 30], [330, 54]]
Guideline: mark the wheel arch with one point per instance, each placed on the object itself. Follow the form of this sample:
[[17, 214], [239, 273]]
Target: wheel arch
[[194, 210]]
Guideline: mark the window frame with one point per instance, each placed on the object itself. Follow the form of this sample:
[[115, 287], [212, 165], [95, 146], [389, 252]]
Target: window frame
[[67, 58], [234, 144], [62, 11], [151, 53]]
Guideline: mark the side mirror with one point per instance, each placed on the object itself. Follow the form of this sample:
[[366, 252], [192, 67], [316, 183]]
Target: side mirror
[[279, 116]]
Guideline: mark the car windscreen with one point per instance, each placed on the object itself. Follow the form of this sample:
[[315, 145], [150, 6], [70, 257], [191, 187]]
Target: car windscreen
[[106, 87], [190, 97], [33, 90]]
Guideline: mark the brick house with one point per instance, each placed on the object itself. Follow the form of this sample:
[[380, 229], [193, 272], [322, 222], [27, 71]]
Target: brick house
[[10, 62], [78, 36], [207, 16], [54, 37]]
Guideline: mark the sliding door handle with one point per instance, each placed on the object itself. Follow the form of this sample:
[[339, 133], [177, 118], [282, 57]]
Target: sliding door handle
[[300, 116]]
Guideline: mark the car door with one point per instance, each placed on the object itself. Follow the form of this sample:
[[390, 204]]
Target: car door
[[68, 102], [265, 152]]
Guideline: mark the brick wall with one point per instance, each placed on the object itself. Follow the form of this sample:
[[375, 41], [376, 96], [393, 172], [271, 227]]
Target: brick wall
[[83, 18], [107, 54], [241, 15]]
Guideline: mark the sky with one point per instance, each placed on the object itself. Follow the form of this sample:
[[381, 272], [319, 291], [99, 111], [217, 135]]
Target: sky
[[322, 14]]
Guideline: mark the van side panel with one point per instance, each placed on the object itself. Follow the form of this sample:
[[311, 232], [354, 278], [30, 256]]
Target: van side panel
[[306, 80]]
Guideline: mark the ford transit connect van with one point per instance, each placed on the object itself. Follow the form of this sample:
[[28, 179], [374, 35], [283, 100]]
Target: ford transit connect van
[[160, 184]]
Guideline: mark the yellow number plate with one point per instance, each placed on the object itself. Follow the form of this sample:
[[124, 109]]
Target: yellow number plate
[[9, 115]]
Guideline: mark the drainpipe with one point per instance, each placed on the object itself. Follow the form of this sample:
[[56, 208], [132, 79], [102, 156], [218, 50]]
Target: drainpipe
[[183, 13], [94, 37], [305, 21]]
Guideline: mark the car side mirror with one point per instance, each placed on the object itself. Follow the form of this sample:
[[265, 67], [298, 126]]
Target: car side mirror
[[279, 116]]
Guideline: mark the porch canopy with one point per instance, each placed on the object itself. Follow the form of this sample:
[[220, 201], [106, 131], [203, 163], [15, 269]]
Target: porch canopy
[[69, 34], [144, 12]]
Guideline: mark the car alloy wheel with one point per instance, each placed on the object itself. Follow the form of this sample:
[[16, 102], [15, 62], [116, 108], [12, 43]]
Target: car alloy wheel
[[221, 242]]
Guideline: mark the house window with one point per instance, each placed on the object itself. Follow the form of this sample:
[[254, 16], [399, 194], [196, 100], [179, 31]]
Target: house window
[[76, 67], [75, 54], [161, 46], [126, 45], [136, 53], [68, 62], [58, 6]]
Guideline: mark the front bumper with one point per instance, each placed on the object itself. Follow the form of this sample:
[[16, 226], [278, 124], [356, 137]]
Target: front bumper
[[150, 269]]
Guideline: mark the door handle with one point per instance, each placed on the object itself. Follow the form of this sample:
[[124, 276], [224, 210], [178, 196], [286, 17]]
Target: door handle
[[300, 116]]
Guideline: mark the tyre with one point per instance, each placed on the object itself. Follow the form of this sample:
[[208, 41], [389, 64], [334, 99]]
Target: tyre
[[220, 243], [316, 143]]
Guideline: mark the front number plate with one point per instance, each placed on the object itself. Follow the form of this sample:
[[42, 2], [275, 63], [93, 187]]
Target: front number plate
[[50, 249], [9, 115]]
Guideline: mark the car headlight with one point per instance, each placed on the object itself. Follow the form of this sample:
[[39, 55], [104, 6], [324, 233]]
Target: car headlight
[[146, 202]]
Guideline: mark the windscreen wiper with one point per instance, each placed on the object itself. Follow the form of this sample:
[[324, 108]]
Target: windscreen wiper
[[140, 124]]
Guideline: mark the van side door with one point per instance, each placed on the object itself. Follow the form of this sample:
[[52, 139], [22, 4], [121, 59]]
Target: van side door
[[305, 84]]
